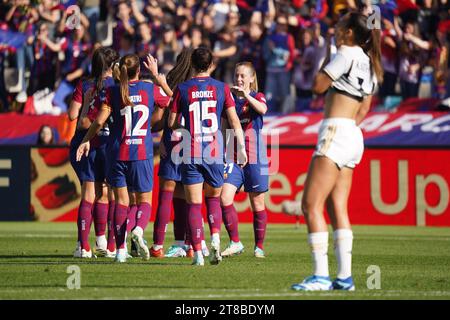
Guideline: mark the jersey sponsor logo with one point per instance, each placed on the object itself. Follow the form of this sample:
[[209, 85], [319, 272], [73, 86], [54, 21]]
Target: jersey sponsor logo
[[133, 141], [202, 94]]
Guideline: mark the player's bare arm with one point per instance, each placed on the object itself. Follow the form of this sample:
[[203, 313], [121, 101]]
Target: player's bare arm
[[235, 124]]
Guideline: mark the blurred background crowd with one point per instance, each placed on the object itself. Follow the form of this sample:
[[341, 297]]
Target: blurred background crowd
[[46, 45]]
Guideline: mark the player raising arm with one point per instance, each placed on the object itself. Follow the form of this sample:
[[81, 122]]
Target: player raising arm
[[130, 147], [351, 77]]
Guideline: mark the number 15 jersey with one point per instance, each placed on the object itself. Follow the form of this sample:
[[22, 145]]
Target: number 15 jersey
[[202, 101], [130, 136]]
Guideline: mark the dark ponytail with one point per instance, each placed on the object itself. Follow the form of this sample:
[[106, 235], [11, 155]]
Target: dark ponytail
[[367, 38], [102, 60]]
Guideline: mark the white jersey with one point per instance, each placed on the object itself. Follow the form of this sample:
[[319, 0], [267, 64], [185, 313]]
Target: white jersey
[[351, 72]]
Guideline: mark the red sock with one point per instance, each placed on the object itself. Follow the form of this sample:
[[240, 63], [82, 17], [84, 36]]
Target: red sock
[[196, 225], [131, 217], [230, 219], [111, 240], [84, 223], [100, 218], [162, 217], [214, 214], [179, 221], [259, 227], [120, 225], [143, 215]]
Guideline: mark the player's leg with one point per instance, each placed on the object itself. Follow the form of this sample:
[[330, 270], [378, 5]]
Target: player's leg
[[230, 220], [100, 218], [120, 222], [180, 248], [259, 221], [144, 205], [131, 220], [111, 248], [84, 220], [162, 219], [320, 181], [214, 214], [140, 177], [256, 183], [337, 204], [194, 194]]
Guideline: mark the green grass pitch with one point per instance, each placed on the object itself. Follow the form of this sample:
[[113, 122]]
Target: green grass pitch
[[414, 264]]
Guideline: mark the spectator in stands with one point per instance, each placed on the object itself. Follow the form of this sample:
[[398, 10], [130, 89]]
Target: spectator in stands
[[306, 66], [167, 49], [389, 59], [43, 70], [76, 50], [278, 53], [250, 45], [45, 136]]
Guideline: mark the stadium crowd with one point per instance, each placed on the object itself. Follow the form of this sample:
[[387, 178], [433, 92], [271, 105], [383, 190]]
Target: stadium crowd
[[46, 45]]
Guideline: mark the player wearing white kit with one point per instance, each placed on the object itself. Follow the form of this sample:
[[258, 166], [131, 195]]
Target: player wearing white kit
[[351, 77]]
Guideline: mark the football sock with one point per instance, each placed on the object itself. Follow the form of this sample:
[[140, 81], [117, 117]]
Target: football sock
[[196, 226], [179, 222], [131, 217], [259, 227], [143, 215], [84, 223], [100, 218], [319, 246], [343, 241], [230, 219], [120, 223], [111, 240], [215, 238], [214, 214], [162, 217]]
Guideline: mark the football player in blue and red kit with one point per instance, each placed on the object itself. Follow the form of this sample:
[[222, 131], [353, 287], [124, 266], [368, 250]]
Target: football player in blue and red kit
[[86, 103], [202, 101], [132, 105], [250, 106]]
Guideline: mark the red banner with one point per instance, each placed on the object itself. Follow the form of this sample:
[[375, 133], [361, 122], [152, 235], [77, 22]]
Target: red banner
[[390, 187]]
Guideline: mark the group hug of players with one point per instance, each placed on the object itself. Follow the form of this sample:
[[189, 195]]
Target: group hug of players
[[112, 153]]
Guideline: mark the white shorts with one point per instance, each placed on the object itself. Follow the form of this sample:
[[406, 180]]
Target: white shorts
[[341, 141]]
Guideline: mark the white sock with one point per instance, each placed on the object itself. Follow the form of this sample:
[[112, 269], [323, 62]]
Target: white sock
[[122, 251], [198, 255], [343, 242], [138, 230], [101, 241], [157, 247], [179, 243], [215, 238], [204, 244], [319, 247]]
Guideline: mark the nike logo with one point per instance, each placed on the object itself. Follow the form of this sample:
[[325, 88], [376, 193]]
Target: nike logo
[[255, 186]]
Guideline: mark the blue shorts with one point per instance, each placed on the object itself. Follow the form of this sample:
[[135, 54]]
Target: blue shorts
[[91, 168], [169, 170], [212, 174], [254, 177], [136, 175]]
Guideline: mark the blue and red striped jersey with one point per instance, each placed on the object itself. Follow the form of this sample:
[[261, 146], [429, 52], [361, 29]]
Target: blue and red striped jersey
[[252, 124], [201, 102], [130, 132]]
